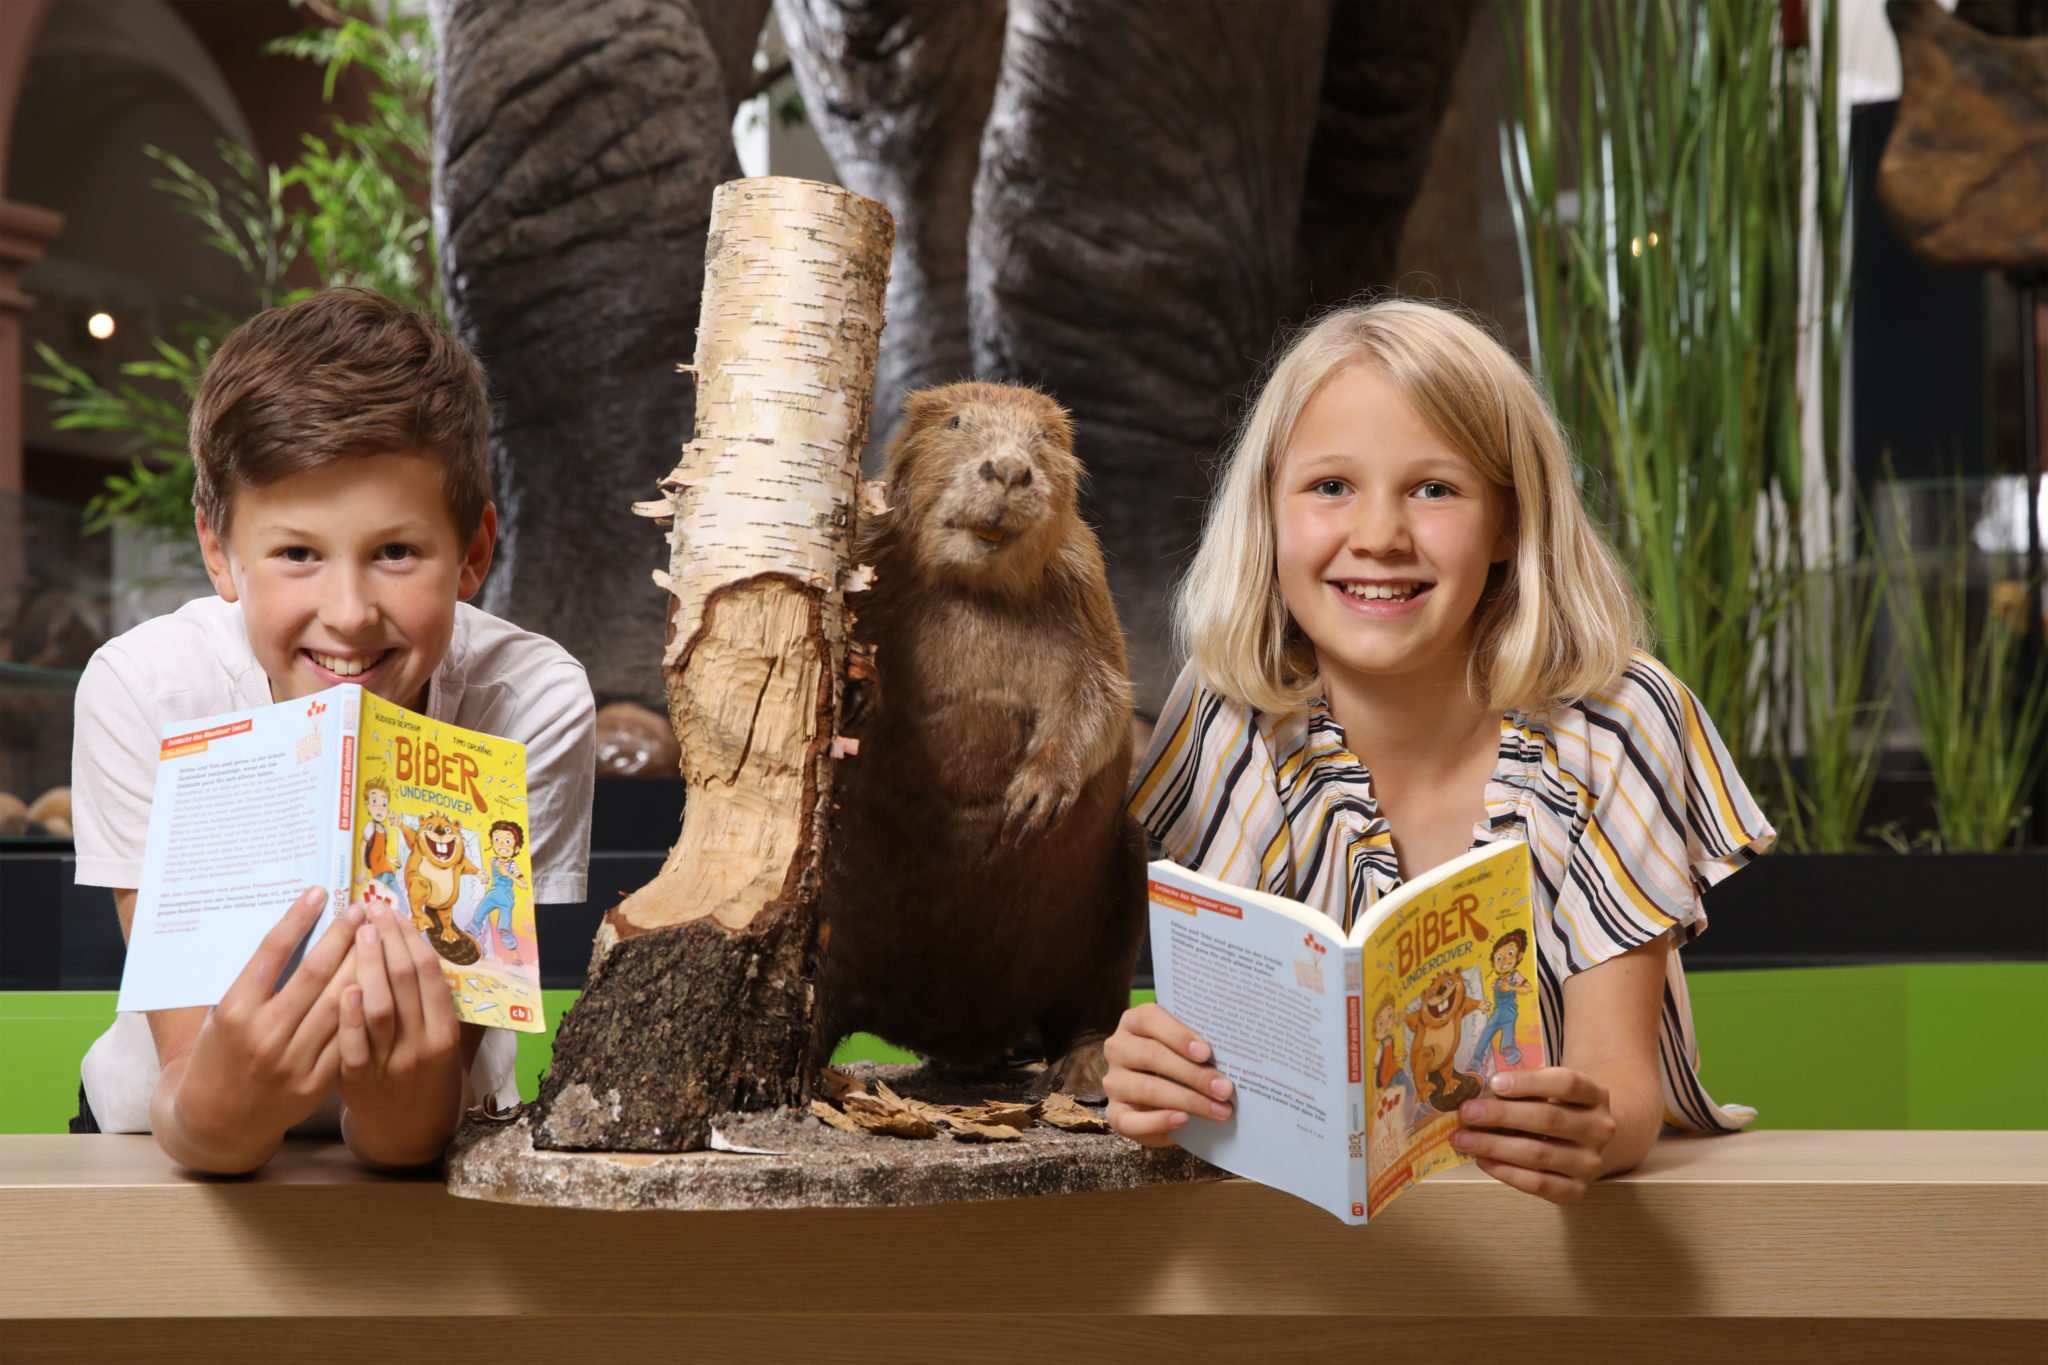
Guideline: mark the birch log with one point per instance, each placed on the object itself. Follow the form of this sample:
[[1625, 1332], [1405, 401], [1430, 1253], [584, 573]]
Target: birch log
[[698, 999]]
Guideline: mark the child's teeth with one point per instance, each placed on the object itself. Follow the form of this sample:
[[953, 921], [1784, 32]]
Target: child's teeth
[[347, 668]]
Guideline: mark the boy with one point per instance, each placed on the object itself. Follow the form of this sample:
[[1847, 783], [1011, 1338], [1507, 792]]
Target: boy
[[344, 512]]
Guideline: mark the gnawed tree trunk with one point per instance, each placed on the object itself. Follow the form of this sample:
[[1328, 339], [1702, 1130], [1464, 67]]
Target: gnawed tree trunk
[[898, 91], [699, 995], [576, 147]]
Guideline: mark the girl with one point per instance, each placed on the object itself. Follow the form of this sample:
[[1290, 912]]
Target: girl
[[1405, 638]]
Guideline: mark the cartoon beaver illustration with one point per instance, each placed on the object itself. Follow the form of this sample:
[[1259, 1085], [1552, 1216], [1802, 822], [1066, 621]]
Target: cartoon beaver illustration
[[433, 880], [1432, 1056]]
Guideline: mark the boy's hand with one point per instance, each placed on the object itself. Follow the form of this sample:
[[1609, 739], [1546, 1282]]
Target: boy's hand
[[400, 1046], [1158, 1075], [1549, 1132], [266, 1057]]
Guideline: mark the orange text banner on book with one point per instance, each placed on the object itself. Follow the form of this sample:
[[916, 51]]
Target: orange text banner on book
[[178, 746]]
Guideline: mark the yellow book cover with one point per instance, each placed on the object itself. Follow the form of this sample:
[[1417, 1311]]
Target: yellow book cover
[[441, 835], [1449, 987]]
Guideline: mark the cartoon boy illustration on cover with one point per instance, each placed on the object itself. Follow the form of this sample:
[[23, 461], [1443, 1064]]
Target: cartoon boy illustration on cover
[[382, 846], [1390, 1082], [507, 838], [1509, 985]]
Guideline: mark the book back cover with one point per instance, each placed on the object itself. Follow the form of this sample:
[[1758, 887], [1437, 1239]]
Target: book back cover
[[1450, 1000], [245, 816], [441, 835]]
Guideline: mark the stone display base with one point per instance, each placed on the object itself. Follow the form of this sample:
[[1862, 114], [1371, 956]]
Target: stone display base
[[843, 1171]]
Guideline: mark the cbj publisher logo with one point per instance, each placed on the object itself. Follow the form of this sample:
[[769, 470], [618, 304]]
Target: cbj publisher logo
[[520, 1013]]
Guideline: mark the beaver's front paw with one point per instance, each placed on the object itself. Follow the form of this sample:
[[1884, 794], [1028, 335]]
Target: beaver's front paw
[[1038, 797]]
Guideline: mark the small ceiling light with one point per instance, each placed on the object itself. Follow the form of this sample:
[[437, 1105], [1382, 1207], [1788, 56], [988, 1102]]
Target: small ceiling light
[[100, 325]]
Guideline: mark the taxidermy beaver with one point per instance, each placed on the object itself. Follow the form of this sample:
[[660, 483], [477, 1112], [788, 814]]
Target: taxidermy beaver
[[984, 879]]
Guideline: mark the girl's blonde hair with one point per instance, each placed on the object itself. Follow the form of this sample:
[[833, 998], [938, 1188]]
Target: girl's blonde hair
[[1560, 618]]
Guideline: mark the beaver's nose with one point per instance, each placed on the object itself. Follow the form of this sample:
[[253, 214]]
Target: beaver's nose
[[1009, 472]]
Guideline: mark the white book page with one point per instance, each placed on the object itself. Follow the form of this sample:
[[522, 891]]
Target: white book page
[[244, 820], [1267, 991]]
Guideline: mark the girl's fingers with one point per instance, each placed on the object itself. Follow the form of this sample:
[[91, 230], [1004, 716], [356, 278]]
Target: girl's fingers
[[1150, 1020], [1152, 1127], [1532, 1154], [1559, 1083], [1141, 1053], [1557, 1189], [353, 1041], [1142, 1090], [1526, 1116]]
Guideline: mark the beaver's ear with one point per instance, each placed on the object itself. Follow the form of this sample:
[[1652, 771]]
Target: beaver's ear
[[1059, 424], [923, 407]]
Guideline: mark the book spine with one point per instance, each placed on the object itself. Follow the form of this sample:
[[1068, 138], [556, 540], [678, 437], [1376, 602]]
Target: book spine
[[350, 727], [1355, 1090]]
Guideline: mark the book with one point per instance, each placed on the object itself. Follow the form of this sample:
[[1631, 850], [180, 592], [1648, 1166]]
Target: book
[[1350, 1054], [344, 790]]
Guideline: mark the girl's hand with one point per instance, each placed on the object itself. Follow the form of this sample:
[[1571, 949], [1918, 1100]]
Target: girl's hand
[[1158, 1075], [1549, 1132]]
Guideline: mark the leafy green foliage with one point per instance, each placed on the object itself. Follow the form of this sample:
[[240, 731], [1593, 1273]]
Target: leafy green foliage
[[1666, 318], [1982, 716], [350, 210]]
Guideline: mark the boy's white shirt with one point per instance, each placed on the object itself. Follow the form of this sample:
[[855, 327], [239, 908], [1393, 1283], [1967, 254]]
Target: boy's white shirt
[[197, 662]]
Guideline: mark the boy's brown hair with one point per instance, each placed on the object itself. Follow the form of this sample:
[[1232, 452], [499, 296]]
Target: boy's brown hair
[[345, 372]]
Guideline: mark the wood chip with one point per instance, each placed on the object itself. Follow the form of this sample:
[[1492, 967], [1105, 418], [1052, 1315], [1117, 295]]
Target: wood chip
[[1005, 1114], [833, 1118], [965, 1131], [837, 1085], [887, 1113], [1068, 1114]]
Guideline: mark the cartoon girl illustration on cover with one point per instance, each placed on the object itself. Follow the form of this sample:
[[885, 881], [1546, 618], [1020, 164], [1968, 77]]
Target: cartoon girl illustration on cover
[[1509, 986]]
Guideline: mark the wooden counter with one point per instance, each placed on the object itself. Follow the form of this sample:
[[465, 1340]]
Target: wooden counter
[[1802, 1245]]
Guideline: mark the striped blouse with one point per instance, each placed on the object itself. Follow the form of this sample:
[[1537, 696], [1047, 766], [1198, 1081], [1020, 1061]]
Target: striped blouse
[[1628, 800]]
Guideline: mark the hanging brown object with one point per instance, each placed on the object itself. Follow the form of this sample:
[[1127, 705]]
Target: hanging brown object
[[1964, 178], [699, 996]]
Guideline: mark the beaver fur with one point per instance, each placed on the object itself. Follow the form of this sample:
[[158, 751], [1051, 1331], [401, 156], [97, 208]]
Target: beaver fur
[[984, 879]]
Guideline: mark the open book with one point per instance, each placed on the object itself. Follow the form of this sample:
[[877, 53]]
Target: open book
[[1350, 1055], [348, 791]]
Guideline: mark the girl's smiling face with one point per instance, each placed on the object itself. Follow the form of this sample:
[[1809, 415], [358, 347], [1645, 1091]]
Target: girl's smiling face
[[1384, 536]]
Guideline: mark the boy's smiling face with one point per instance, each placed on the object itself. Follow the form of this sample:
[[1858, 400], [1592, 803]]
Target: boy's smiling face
[[349, 573]]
